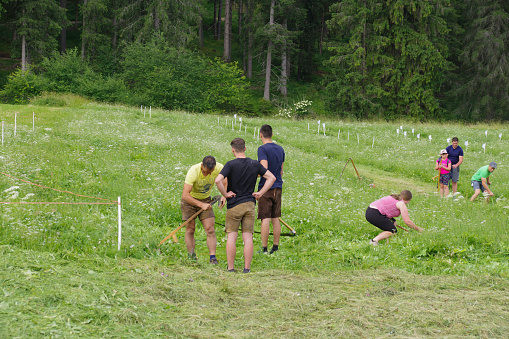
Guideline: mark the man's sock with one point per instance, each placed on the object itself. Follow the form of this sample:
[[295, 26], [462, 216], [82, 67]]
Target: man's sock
[[274, 248], [264, 249]]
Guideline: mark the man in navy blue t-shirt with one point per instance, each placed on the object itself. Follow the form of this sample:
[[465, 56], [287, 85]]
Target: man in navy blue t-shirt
[[456, 156], [272, 157]]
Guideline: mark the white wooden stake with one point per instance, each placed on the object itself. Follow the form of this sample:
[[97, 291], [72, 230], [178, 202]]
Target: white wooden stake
[[324, 129], [119, 223], [144, 112], [484, 147], [373, 144], [2, 133], [33, 121], [15, 122], [338, 133], [357, 138], [150, 111], [240, 127], [308, 126], [218, 121], [412, 131], [245, 129]]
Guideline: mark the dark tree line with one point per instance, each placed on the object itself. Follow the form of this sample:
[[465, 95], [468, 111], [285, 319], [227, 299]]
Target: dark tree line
[[423, 59]]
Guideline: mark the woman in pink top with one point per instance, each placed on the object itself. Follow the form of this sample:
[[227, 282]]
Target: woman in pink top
[[444, 165], [382, 212]]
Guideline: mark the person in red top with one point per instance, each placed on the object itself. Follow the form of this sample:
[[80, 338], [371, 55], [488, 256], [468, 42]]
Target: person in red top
[[444, 166], [381, 213]]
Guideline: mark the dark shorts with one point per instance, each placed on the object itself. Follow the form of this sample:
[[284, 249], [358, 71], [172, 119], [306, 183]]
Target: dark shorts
[[188, 210], [269, 205], [455, 174], [477, 185], [444, 178], [381, 221], [242, 214]]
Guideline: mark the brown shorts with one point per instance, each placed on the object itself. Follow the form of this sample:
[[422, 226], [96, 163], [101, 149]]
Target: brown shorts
[[269, 205], [188, 210], [242, 214]]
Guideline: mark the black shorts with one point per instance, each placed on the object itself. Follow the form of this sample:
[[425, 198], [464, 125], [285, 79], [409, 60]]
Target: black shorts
[[381, 221]]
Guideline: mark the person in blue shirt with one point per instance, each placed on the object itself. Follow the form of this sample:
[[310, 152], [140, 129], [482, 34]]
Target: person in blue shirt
[[272, 157], [456, 156]]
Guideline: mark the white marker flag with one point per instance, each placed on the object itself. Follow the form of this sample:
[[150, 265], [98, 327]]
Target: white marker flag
[[412, 131], [397, 131], [486, 133], [448, 140], [484, 147], [500, 136], [404, 133], [400, 127], [418, 136], [430, 138], [240, 119]]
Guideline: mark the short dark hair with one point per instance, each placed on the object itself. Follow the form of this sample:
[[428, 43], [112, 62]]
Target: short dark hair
[[238, 144], [455, 139], [209, 162], [266, 131]]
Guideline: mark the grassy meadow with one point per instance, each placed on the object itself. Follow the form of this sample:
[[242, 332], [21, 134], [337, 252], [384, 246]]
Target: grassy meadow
[[61, 274]]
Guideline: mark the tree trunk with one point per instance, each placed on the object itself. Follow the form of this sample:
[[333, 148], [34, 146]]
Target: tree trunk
[[200, 30], [215, 19], [240, 18], [23, 47], [268, 66], [218, 27], [23, 53], [76, 14], [227, 50], [249, 65], [63, 32], [284, 75], [83, 33], [322, 30]]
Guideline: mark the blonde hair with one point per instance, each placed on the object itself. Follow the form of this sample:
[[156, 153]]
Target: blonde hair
[[404, 195]]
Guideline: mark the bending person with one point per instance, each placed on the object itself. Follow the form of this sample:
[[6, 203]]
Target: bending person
[[382, 212]]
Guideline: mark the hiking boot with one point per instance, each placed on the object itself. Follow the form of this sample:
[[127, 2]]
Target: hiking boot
[[246, 270], [373, 243], [232, 270], [273, 250], [214, 261]]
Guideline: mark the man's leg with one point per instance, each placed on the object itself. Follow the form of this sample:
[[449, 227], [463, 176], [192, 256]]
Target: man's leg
[[476, 193], [276, 230], [231, 249], [454, 186], [189, 237], [264, 233], [248, 249], [208, 225]]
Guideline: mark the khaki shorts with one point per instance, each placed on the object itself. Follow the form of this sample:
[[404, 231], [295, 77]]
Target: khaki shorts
[[269, 205], [188, 210], [242, 214]]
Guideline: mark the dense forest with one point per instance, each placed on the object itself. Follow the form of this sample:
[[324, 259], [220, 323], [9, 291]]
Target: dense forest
[[360, 59]]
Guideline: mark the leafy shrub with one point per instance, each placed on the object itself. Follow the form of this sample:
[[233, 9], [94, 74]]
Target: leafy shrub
[[48, 99], [179, 79], [21, 86]]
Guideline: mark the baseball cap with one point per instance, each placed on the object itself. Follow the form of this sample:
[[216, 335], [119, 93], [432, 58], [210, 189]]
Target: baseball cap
[[493, 164], [443, 152]]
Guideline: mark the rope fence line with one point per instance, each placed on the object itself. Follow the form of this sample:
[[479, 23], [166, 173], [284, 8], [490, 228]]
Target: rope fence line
[[110, 202], [54, 189]]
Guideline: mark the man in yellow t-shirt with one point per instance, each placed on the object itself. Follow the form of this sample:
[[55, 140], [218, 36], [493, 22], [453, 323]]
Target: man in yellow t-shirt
[[195, 196]]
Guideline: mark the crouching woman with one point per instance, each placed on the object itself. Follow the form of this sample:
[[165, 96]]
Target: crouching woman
[[382, 212]]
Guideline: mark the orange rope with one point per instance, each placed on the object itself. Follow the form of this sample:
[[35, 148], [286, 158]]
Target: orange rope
[[58, 203], [54, 189]]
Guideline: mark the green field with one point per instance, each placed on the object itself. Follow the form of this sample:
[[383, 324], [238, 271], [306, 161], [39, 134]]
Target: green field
[[61, 274]]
